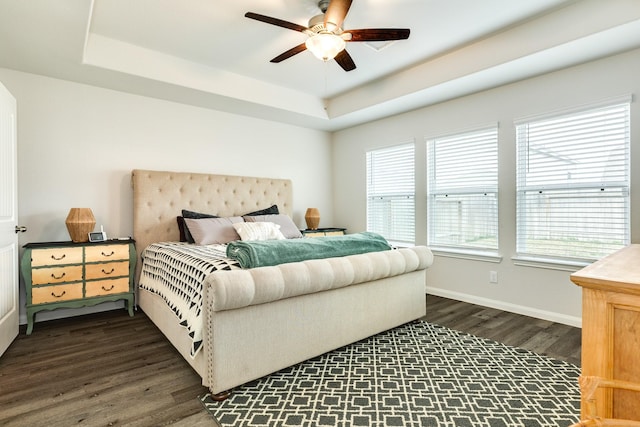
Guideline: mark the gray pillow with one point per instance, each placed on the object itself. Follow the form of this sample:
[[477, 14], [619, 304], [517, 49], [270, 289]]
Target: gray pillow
[[212, 231], [185, 235]]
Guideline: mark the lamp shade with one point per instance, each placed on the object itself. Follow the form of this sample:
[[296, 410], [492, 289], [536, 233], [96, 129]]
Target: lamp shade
[[80, 222], [325, 46]]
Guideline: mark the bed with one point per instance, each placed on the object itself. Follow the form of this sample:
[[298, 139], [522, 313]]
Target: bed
[[260, 320]]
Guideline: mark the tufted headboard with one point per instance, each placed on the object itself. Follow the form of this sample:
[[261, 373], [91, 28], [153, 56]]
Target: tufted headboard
[[159, 197]]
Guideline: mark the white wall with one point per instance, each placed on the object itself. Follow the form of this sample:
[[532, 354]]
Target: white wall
[[77, 145], [535, 291]]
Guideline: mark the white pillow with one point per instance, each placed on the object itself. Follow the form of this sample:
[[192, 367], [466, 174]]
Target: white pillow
[[287, 226], [258, 231]]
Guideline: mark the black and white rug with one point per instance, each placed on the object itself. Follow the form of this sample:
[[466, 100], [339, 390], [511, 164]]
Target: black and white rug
[[418, 374]]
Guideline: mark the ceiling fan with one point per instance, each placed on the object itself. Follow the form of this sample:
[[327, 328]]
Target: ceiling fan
[[327, 39]]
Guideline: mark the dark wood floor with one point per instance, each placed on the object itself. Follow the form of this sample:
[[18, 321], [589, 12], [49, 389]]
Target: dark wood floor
[[540, 336], [108, 369]]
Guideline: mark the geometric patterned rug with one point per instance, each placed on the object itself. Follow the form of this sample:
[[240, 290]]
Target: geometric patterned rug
[[418, 374]]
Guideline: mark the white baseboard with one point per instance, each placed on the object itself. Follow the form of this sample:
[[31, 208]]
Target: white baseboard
[[505, 306]]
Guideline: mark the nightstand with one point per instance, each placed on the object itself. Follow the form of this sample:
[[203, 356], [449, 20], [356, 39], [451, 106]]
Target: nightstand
[[73, 275], [320, 232]]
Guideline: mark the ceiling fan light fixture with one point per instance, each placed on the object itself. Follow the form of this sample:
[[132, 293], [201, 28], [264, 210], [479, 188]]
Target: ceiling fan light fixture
[[325, 45], [326, 37]]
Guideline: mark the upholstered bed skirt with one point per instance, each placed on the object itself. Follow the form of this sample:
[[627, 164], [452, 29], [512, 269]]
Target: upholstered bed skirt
[[269, 320]]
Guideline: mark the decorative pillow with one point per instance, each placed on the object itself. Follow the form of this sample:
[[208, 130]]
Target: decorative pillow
[[197, 215], [258, 231], [184, 230], [272, 210], [287, 226], [211, 231]]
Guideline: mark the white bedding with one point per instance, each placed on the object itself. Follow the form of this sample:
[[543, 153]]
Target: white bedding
[[175, 271]]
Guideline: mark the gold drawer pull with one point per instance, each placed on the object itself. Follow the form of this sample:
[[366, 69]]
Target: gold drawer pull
[[107, 290], [103, 254], [53, 257], [108, 272], [58, 277], [58, 296]]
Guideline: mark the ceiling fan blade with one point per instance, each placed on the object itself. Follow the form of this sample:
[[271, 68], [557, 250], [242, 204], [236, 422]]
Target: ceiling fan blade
[[335, 14], [345, 61], [275, 21], [288, 54], [378, 34]]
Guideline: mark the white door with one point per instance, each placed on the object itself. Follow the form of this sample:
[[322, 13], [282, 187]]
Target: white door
[[9, 271]]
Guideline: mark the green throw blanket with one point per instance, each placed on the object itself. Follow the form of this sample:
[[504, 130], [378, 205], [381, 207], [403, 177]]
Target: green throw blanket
[[251, 254]]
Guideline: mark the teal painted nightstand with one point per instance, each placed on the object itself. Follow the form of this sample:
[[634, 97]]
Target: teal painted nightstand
[[73, 275]]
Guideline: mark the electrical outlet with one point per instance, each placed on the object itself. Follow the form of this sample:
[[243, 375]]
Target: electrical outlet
[[493, 277]]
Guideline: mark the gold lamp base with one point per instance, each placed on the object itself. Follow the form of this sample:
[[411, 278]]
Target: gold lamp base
[[80, 222], [312, 218]]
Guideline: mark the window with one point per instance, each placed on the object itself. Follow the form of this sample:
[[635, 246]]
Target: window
[[573, 184], [391, 193], [463, 191]]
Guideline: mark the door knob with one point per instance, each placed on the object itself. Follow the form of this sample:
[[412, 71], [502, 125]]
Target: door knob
[[20, 229]]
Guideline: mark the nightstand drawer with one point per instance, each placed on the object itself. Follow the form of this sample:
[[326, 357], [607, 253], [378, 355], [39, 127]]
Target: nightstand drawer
[[50, 275], [44, 294], [56, 256], [101, 253], [106, 270], [107, 287]]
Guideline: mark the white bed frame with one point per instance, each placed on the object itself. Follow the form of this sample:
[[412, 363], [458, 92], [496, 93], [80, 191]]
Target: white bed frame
[[159, 198], [253, 341]]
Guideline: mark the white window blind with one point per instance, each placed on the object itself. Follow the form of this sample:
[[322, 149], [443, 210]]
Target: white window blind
[[573, 184], [463, 191], [391, 193]]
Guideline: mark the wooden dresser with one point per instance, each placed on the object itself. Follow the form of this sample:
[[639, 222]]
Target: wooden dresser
[[72, 275], [611, 329]]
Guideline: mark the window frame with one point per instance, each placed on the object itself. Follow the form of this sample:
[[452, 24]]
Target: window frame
[[393, 231], [488, 188], [571, 263]]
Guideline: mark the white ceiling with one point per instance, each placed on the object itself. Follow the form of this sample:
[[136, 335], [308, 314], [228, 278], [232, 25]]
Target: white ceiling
[[206, 53]]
